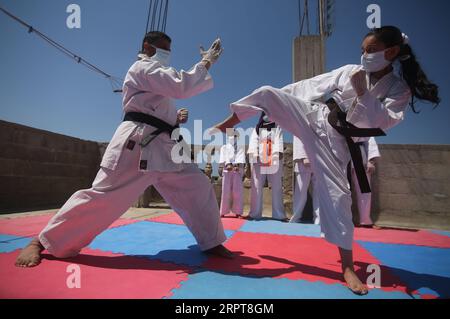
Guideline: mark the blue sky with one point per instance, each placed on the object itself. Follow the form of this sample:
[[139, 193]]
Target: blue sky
[[42, 88]]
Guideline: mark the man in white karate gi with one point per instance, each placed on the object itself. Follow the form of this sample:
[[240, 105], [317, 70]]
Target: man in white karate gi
[[266, 159], [370, 152], [231, 169], [303, 176], [139, 155]]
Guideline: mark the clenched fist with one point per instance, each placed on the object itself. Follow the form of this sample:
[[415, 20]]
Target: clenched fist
[[359, 82], [182, 116]]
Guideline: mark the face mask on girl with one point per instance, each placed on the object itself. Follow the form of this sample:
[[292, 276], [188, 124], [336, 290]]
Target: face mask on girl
[[162, 56], [374, 62]]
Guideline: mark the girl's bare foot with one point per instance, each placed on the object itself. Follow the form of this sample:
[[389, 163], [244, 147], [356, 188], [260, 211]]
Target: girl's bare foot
[[353, 282], [220, 251], [30, 256]]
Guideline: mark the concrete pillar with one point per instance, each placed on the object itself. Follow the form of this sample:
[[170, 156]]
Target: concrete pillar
[[308, 57], [308, 60]]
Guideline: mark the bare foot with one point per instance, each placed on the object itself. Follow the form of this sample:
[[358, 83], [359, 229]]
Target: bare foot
[[353, 282], [220, 251], [30, 256]]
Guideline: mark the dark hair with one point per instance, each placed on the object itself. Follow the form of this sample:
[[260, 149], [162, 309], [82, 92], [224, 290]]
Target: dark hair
[[415, 77], [153, 37]]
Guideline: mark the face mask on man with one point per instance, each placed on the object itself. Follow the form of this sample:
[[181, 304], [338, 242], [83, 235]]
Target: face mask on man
[[374, 62], [162, 56]]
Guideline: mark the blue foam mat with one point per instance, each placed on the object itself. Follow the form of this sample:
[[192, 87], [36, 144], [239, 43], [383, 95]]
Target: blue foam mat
[[441, 232], [281, 228], [166, 242], [213, 285], [10, 243], [425, 269]]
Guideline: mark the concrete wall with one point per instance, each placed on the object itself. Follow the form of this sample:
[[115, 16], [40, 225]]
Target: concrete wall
[[41, 169], [412, 186]]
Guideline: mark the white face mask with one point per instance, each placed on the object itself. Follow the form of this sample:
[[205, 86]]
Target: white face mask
[[374, 62], [162, 56]]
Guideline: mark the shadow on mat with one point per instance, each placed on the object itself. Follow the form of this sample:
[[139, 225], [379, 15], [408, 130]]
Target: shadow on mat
[[391, 278]]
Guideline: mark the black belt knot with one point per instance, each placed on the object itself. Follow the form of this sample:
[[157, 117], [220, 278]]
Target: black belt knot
[[338, 120], [160, 125]]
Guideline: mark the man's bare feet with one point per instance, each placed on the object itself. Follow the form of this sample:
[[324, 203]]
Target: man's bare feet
[[220, 251], [30, 256], [353, 282]]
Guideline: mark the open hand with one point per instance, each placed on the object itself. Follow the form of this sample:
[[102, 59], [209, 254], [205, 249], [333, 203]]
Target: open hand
[[213, 53]]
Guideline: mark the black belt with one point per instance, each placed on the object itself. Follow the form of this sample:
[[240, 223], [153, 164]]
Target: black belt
[[160, 125], [348, 130]]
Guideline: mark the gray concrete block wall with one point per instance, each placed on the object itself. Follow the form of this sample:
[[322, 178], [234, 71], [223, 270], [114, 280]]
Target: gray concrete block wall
[[412, 186], [41, 169]]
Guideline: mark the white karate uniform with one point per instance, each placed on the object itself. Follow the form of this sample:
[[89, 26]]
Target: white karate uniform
[[262, 169], [364, 200], [299, 109], [232, 185], [149, 88], [303, 176]]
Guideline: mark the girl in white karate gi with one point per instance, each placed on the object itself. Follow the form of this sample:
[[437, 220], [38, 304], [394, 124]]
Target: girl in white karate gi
[[364, 200], [303, 176], [371, 95], [127, 168], [232, 161], [266, 159]]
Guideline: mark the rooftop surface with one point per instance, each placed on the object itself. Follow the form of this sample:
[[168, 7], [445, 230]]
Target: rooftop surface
[[149, 253]]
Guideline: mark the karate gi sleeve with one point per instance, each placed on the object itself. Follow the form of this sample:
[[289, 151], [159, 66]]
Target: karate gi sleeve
[[222, 157], [167, 81], [299, 149], [373, 151], [253, 144], [278, 146], [240, 156], [368, 111]]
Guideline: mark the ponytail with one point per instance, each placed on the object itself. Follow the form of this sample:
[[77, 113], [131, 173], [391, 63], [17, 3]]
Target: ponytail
[[421, 88]]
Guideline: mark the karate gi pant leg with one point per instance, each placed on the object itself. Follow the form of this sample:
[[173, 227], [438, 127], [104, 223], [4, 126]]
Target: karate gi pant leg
[[363, 201], [315, 196], [301, 184], [276, 183], [237, 192], [320, 139], [256, 198], [191, 194], [90, 211], [227, 186]]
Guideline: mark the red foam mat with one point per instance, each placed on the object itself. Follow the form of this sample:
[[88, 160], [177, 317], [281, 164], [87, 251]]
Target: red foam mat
[[295, 257], [406, 237], [30, 226], [102, 275]]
